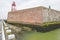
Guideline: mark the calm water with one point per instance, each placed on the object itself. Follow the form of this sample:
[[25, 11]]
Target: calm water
[[52, 35]]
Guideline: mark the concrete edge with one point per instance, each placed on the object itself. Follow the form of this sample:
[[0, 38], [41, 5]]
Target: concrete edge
[[3, 35]]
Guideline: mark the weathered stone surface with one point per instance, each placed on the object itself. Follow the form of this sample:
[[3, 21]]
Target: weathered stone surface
[[37, 15]]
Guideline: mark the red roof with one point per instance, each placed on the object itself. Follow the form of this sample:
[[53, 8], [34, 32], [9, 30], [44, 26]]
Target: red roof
[[13, 4]]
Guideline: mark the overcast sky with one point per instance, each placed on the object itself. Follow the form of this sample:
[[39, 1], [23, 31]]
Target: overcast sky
[[5, 5]]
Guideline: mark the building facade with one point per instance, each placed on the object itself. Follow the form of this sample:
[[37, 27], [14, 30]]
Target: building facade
[[36, 15]]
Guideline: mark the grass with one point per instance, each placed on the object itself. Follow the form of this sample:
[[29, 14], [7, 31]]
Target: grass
[[9, 33], [52, 35]]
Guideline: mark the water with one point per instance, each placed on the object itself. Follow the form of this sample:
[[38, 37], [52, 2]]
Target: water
[[52, 35]]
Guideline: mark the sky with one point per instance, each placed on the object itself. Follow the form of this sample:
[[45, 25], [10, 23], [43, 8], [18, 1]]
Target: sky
[[5, 5]]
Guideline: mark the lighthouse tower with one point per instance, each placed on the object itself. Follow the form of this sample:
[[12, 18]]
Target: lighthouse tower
[[13, 6]]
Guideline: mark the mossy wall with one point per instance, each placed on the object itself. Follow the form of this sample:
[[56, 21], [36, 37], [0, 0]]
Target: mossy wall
[[44, 28]]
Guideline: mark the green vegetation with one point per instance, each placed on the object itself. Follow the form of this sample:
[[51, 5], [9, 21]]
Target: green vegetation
[[49, 23], [9, 33], [46, 24], [26, 29], [52, 35]]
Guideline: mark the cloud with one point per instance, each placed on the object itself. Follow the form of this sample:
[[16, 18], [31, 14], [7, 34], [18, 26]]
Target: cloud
[[5, 5]]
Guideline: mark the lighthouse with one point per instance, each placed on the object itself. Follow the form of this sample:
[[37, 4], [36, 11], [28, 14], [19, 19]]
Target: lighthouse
[[13, 6]]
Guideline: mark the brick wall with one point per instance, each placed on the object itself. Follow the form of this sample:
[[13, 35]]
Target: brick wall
[[32, 15], [35, 15]]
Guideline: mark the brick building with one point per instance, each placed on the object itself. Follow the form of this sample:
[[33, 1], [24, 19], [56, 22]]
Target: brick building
[[36, 15]]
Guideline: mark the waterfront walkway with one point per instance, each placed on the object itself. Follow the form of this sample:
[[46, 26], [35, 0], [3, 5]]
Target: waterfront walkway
[[0, 30]]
